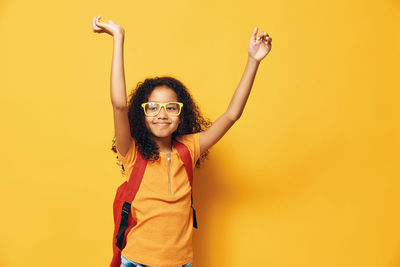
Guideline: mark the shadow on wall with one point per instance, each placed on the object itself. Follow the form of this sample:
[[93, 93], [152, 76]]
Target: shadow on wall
[[208, 189], [216, 196]]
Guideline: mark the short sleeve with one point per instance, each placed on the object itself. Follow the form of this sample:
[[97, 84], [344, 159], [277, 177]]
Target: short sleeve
[[192, 142], [130, 156]]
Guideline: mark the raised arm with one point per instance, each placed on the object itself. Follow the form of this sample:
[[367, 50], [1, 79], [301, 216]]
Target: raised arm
[[117, 84], [259, 47]]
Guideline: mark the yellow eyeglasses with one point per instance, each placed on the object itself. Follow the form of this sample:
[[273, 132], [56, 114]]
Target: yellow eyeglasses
[[152, 109]]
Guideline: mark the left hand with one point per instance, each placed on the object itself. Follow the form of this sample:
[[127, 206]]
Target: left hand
[[259, 46]]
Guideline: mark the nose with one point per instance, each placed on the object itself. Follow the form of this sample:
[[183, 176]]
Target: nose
[[163, 112]]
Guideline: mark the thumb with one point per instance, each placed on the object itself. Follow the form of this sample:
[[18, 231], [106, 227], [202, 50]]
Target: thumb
[[111, 21]]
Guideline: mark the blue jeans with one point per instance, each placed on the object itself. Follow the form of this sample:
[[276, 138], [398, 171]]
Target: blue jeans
[[128, 263]]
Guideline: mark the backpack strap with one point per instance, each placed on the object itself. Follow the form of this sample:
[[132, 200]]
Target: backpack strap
[[136, 177], [184, 154], [128, 195]]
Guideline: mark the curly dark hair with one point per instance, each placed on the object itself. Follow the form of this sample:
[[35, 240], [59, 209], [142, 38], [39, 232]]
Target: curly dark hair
[[192, 121]]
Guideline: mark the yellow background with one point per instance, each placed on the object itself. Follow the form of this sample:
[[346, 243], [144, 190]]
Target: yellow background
[[309, 175]]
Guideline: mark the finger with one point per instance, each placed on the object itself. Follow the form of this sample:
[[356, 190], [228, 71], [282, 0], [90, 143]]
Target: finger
[[98, 20], [265, 36], [94, 22], [254, 34], [100, 26], [260, 36], [95, 27], [267, 42]]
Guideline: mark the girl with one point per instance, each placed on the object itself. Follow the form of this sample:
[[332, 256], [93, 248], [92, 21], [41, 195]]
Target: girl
[[159, 110]]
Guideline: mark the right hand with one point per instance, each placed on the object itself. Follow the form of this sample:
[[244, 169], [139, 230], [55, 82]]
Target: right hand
[[111, 28]]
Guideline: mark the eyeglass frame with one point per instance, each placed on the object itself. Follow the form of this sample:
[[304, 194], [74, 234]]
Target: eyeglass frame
[[161, 106]]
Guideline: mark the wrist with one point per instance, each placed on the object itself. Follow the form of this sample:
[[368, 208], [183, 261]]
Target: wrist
[[119, 36], [252, 60]]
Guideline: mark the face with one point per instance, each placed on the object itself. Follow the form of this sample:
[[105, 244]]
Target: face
[[162, 125]]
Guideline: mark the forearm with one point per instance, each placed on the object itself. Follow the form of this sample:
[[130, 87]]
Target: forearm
[[239, 99], [117, 84]]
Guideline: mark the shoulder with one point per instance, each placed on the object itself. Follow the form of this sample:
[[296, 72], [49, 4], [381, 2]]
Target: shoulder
[[188, 137], [192, 139], [192, 142], [130, 156]]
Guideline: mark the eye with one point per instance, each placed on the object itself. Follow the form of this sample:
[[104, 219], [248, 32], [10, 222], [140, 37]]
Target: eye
[[152, 106]]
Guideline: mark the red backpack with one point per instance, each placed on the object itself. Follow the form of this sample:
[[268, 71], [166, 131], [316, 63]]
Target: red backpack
[[126, 192]]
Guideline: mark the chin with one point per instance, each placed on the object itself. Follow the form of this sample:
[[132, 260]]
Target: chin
[[162, 134]]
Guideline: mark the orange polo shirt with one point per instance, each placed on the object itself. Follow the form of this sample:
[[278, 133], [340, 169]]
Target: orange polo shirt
[[162, 236]]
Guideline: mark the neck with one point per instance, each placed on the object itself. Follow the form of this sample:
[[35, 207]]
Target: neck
[[164, 143]]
